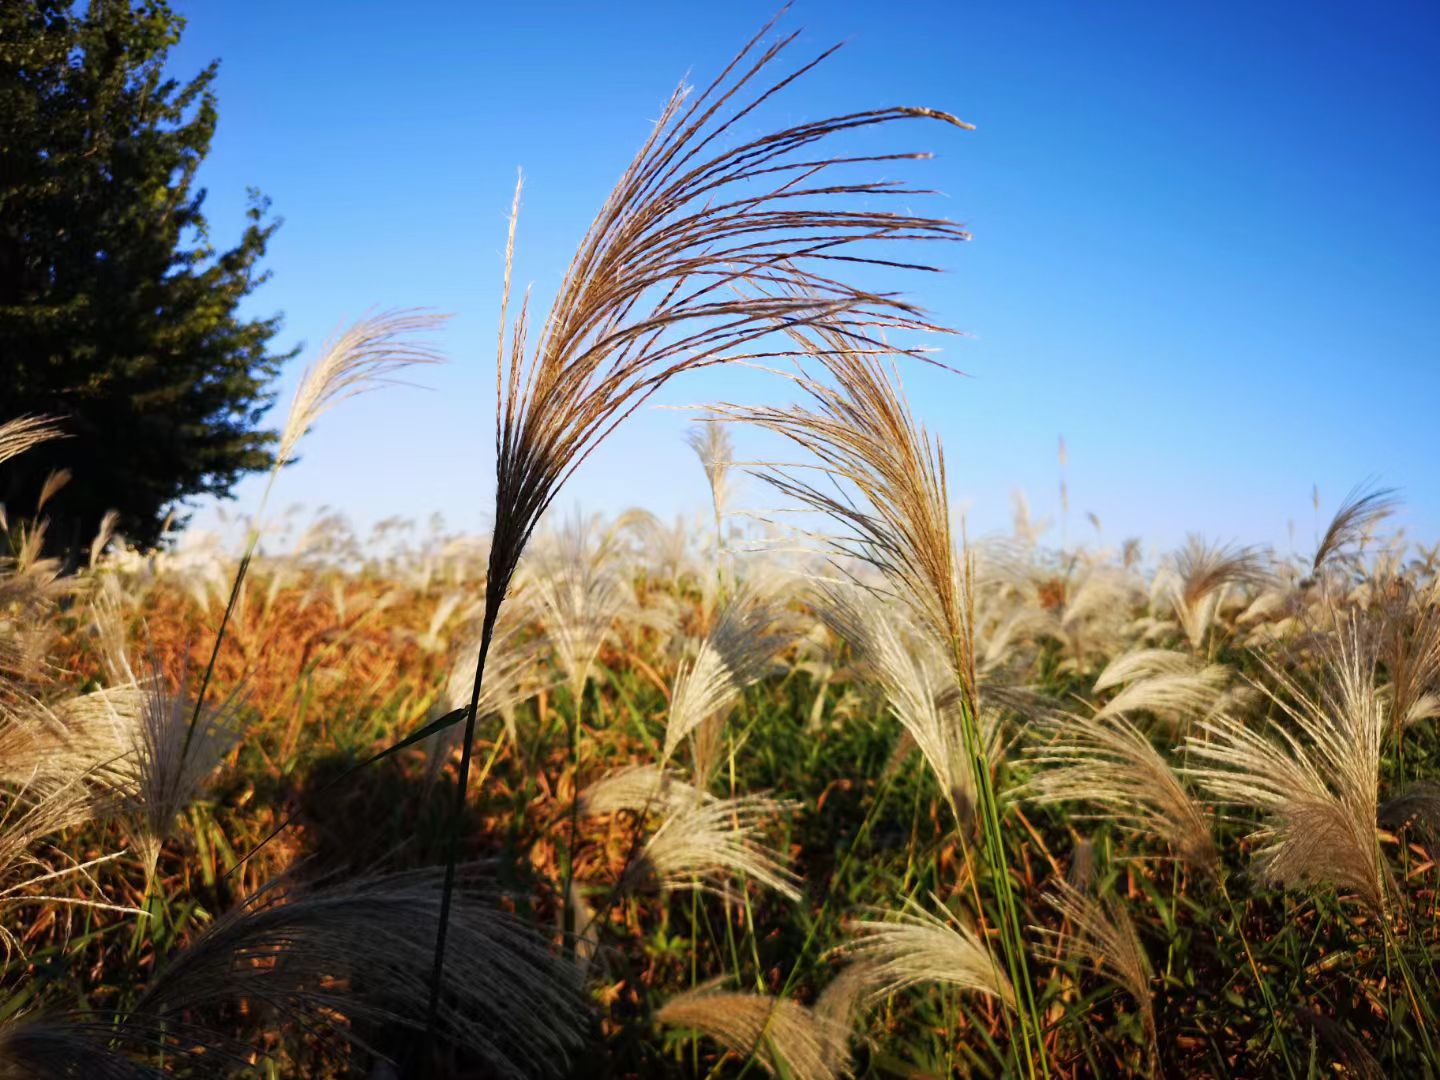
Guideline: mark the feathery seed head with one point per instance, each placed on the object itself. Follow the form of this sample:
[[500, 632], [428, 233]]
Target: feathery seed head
[[785, 1037]]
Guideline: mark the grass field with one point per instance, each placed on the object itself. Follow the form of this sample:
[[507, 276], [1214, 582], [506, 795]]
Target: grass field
[[1210, 778], [624, 797]]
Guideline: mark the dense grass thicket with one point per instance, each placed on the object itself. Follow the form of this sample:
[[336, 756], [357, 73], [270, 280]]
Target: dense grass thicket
[[720, 815]]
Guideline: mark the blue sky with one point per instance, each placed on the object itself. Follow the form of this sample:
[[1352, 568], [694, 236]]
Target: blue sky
[[1204, 236]]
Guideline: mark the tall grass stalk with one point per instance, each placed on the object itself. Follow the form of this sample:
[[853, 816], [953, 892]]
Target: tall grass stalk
[[890, 505], [365, 356], [653, 291]]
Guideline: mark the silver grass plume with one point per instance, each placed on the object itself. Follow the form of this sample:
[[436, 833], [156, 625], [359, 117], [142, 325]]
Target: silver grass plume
[[1111, 765], [1314, 773], [364, 356], [1197, 578], [579, 594], [895, 515], [839, 1007], [91, 733], [914, 946], [513, 676], [24, 432], [1406, 625], [705, 845], [785, 1037], [1092, 619], [360, 952], [1102, 934], [103, 535], [1176, 687], [736, 652], [712, 445], [640, 789], [177, 745], [28, 817], [919, 687], [55, 480]]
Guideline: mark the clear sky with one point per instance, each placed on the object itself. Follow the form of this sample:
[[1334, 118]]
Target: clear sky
[[1204, 251]]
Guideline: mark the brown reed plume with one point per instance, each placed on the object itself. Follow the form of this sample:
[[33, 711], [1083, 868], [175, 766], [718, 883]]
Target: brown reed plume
[[655, 290], [1364, 508]]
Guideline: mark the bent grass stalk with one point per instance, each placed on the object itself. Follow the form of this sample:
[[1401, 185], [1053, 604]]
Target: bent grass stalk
[[862, 432], [651, 293]]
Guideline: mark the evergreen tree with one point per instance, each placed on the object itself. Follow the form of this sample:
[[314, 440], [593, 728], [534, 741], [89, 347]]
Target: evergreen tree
[[118, 315]]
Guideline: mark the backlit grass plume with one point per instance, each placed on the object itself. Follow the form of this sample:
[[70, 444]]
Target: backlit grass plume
[[172, 760], [1314, 772], [1174, 686], [839, 1007], [712, 445], [1406, 626], [1102, 934], [579, 592], [24, 432], [785, 1037], [895, 514], [364, 356], [356, 954], [883, 488], [919, 688], [1196, 579], [736, 652], [915, 946], [88, 733], [1113, 767], [709, 844], [367, 355], [29, 816], [705, 243], [515, 677], [640, 789]]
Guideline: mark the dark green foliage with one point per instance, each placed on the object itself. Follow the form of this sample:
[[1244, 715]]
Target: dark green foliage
[[117, 312]]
